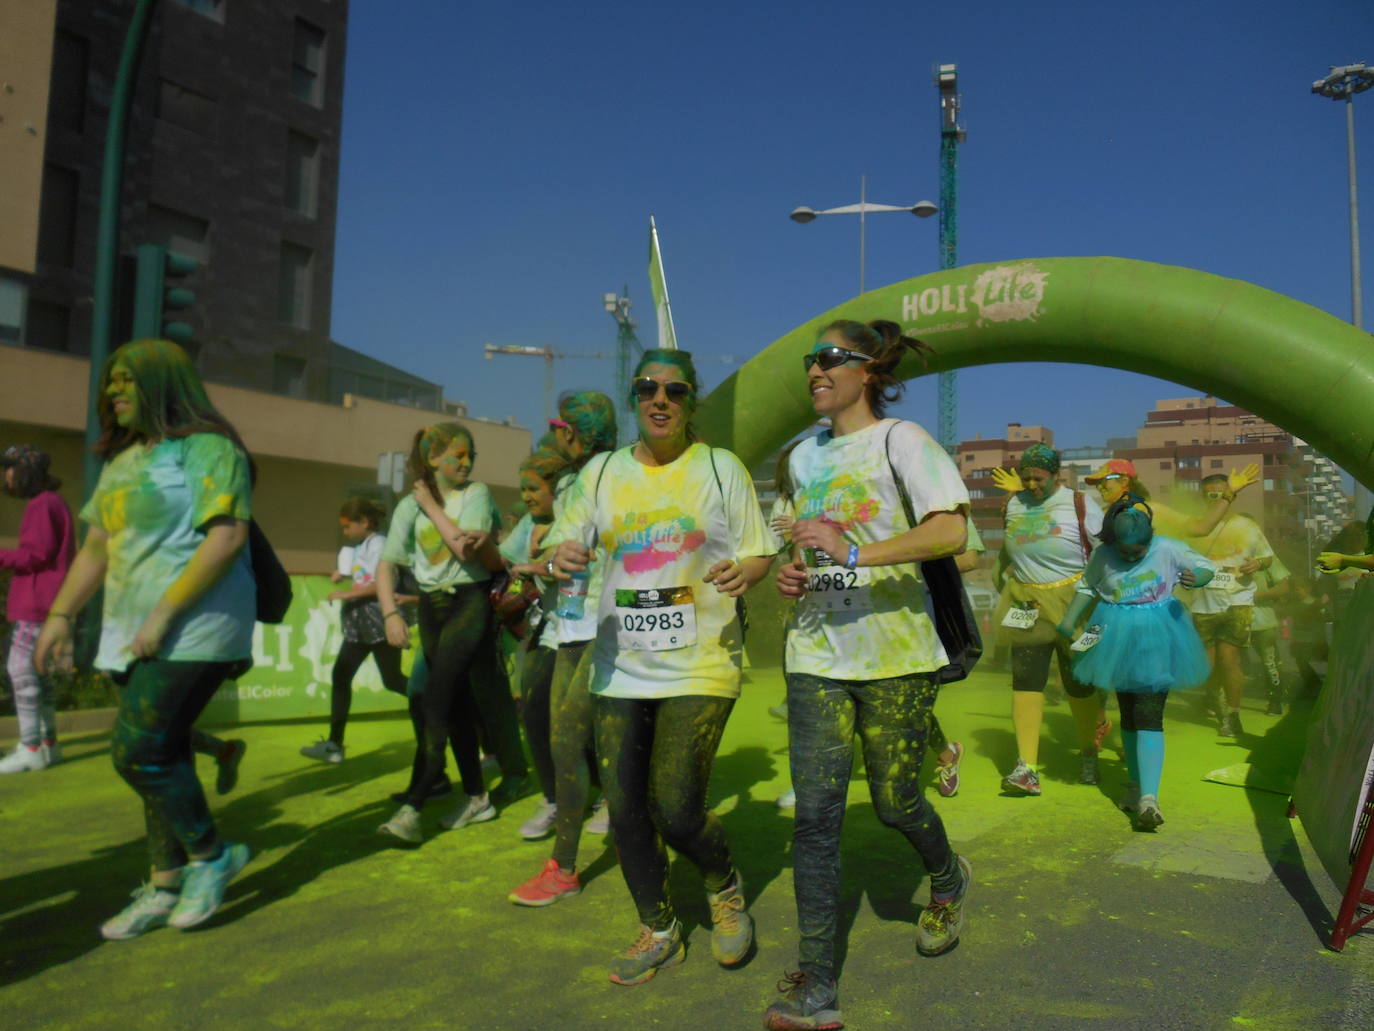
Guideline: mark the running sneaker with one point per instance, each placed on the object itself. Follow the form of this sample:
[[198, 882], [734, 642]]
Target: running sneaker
[[440, 789], [788, 799], [1087, 768], [325, 751], [947, 773], [1130, 798], [547, 886], [228, 762], [539, 825], [732, 928], [778, 711], [1100, 732], [475, 809], [1022, 780], [600, 822], [1275, 707], [938, 928], [404, 825], [512, 789], [1229, 725], [24, 759], [1147, 814], [807, 1003], [650, 952], [150, 909], [202, 889]]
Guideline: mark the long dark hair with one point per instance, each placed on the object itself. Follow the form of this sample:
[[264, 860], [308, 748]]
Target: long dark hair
[[172, 401], [886, 342]]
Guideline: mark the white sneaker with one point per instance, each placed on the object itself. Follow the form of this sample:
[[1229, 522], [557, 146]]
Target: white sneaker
[[150, 908], [404, 824], [600, 822], [325, 751], [788, 799], [538, 825], [23, 759], [477, 809]]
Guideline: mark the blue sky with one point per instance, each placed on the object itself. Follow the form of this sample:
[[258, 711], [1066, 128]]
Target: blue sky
[[500, 162]]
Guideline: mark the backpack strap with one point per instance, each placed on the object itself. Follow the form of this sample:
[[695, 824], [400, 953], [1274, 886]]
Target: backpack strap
[[897, 480]]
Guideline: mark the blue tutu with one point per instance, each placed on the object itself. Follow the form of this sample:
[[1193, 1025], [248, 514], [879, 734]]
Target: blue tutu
[[1144, 649]]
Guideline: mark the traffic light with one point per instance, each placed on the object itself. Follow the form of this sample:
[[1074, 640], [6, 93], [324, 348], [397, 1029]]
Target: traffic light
[[156, 296]]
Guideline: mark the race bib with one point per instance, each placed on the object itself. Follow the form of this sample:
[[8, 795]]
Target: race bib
[[1019, 618], [833, 588], [656, 620], [1223, 580], [1088, 638]]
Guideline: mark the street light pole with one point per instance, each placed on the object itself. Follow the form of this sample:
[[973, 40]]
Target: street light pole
[[803, 215], [1343, 83]]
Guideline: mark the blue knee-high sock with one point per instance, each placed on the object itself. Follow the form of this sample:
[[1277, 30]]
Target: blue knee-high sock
[[1150, 752], [1128, 742]]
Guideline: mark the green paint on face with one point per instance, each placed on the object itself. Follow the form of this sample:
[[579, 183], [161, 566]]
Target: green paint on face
[[122, 391]]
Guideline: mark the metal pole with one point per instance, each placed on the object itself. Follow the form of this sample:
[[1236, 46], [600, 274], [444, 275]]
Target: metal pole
[[1356, 295], [863, 239]]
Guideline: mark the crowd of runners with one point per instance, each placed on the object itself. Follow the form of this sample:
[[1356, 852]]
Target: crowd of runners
[[627, 574]]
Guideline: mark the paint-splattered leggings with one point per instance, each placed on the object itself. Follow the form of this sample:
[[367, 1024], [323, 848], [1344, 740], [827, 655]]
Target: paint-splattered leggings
[[655, 758], [34, 701], [890, 718], [536, 681], [158, 701], [1142, 711], [452, 627], [574, 752]]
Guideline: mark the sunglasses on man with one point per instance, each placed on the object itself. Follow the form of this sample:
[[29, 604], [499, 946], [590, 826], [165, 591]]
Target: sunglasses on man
[[646, 389], [832, 357]]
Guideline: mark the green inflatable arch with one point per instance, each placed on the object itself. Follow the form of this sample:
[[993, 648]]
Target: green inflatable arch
[[1297, 366]]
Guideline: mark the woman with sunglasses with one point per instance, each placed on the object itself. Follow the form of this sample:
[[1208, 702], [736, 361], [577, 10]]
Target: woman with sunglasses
[[586, 427], [1118, 477], [679, 529], [875, 497]]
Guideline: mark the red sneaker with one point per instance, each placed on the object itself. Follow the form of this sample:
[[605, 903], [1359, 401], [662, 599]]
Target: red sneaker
[[546, 887]]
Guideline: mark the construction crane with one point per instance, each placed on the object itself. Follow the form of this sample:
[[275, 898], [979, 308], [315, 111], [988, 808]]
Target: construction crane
[[951, 135], [549, 355]]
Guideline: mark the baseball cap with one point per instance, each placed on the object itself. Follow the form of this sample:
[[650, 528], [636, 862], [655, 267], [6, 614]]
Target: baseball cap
[[1116, 467]]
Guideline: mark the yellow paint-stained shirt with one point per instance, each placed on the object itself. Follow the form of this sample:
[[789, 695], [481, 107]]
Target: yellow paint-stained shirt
[[154, 504], [1234, 541], [414, 541], [658, 529]]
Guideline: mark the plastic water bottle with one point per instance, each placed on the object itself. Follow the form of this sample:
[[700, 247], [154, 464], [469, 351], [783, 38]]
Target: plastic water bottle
[[572, 596]]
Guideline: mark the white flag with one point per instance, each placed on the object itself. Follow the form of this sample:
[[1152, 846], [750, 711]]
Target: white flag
[[667, 337]]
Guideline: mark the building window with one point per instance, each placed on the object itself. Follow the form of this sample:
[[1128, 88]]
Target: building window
[[178, 232], [307, 63], [48, 326], [12, 294], [213, 9], [1166, 465], [182, 106], [293, 300], [1189, 462], [1217, 463], [57, 216], [1268, 484], [288, 375], [302, 173], [1190, 485], [71, 57]]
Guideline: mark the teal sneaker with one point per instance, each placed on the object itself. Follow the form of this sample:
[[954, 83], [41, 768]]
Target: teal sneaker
[[150, 909], [938, 929], [203, 888], [651, 951]]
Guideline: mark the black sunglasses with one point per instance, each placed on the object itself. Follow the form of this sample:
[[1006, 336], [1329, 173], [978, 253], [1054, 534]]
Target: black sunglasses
[[832, 357], [646, 389]]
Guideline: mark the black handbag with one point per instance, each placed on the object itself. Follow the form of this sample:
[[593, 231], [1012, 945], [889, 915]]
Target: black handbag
[[273, 584], [949, 609]]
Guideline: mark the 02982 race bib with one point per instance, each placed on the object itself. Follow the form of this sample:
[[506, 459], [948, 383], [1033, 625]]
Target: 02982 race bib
[[833, 588], [659, 619], [1021, 619]]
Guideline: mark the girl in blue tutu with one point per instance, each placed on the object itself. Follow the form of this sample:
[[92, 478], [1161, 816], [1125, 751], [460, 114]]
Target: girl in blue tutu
[[1140, 642]]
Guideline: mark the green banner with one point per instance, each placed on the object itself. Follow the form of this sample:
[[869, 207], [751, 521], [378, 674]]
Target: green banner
[[292, 662]]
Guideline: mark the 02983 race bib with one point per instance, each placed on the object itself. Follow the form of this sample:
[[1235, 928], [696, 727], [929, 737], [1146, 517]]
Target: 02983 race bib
[[659, 619], [833, 588], [1021, 619]]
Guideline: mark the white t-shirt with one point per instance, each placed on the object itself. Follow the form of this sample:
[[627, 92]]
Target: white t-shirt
[[875, 624], [1042, 542], [516, 550], [659, 529], [1112, 578], [1264, 617], [414, 541], [577, 631], [1234, 541], [362, 559]]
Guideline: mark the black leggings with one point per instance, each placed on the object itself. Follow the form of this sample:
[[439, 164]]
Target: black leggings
[[1030, 668], [536, 681], [452, 627], [1142, 711], [498, 720], [655, 757], [352, 654]]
